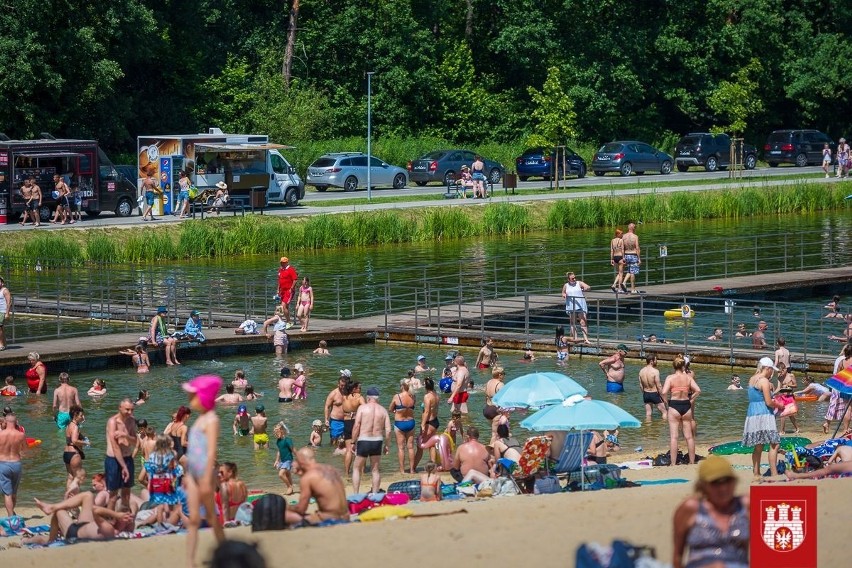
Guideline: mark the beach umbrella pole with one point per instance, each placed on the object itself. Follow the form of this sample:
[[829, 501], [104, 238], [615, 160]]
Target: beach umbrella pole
[[842, 418]]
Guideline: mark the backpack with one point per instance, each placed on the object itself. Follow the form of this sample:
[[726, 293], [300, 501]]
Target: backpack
[[268, 513]]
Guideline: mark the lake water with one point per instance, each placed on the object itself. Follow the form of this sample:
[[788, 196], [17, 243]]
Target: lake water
[[721, 413]]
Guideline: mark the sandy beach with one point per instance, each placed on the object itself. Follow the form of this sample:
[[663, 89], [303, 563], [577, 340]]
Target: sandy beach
[[542, 530]]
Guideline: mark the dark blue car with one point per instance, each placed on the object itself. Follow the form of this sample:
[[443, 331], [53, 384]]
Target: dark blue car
[[631, 156], [536, 162]]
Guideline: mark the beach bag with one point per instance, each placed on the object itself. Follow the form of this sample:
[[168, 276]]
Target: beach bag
[[268, 513], [547, 484], [161, 483], [193, 192]]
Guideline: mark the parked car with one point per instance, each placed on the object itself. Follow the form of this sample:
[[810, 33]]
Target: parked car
[[626, 157], [536, 163], [443, 165], [349, 171], [800, 147], [713, 151]]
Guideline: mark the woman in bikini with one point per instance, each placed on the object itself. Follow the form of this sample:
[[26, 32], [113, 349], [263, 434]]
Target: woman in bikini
[[177, 430], [36, 375], [138, 357], [402, 406], [616, 259], [428, 420], [679, 385], [352, 399], [492, 387], [232, 491], [506, 446], [306, 303], [73, 455], [200, 460]]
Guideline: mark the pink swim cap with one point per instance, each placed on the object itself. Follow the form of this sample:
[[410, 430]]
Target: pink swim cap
[[206, 387]]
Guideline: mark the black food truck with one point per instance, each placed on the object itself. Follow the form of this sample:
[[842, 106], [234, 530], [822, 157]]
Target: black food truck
[[81, 163]]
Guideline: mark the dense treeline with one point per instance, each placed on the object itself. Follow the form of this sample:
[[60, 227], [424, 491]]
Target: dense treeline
[[464, 70]]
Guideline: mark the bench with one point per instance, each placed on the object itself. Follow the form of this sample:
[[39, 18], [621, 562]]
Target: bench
[[235, 203], [455, 188]]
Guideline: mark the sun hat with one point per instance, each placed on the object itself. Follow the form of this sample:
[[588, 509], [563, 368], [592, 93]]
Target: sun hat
[[205, 387], [259, 408], [713, 468], [421, 357], [767, 362], [346, 373], [222, 185], [284, 259], [316, 423], [162, 309], [242, 409], [373, 391], [299, 367], [285, 371], [194, 313]]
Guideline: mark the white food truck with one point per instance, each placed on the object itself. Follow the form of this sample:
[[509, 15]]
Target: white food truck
[[248, 163]]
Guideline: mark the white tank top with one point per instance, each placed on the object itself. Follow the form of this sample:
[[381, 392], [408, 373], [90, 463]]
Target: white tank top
[[3, 305]]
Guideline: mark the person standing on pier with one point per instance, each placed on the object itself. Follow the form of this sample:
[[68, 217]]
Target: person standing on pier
[[287, 277], [613, 368], [5, 310], [632, 256], [616, 259], [575, 304]]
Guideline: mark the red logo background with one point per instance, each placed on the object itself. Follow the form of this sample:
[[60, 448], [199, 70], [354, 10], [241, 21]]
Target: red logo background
[[805, 556]]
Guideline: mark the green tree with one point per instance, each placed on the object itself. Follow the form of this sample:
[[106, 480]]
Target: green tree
[[554, 119], [736, 101]]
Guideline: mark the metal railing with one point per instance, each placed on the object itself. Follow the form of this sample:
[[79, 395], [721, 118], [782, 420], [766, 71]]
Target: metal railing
[[119, 296]]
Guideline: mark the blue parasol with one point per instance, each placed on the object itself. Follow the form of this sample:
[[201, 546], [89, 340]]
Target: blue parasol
[[535, 390]]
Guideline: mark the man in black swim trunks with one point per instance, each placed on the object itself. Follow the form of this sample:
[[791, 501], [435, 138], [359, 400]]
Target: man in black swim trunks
[[285, 386], [372, 427], [92, 523], [649, 380]]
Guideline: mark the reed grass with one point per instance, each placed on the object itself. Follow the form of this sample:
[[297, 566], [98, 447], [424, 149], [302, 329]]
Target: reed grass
[[255, 234]]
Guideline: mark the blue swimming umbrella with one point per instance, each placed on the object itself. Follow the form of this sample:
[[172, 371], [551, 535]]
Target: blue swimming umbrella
[[536, 390], [578, 413]]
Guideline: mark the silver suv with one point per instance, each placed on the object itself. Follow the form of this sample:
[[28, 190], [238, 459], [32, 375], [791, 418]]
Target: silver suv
[[349, 171]]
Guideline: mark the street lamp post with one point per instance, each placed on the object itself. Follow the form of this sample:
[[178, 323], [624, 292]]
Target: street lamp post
[[369, 134]]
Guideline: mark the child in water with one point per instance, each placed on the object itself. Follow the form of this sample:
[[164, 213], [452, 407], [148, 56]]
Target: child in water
[[454, 426], [315, 441], [300, 386], [284, 455], [562, 343], [10, 389], [98, 388], [240, 380], [322, 349]]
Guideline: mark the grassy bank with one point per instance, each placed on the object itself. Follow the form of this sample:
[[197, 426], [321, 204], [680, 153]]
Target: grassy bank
[[255, 234]]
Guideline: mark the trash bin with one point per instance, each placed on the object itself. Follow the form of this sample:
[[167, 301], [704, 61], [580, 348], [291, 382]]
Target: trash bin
[[510, 181], [258, 198]]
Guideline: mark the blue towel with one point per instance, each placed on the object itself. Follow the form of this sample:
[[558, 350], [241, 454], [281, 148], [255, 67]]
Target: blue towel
[[662, 481]]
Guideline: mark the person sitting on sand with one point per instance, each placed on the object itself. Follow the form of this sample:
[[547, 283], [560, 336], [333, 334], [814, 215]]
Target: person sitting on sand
[[430, 484], [840, 463], [322, 483], [322, 349], [98, 389], [232, 491], [91, 523], [506, 446], [472, 461], [698, 518]]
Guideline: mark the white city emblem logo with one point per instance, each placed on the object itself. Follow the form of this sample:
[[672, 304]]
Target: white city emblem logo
[[783, 529]]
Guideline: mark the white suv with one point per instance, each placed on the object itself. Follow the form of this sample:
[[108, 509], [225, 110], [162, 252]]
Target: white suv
[[349, 171]]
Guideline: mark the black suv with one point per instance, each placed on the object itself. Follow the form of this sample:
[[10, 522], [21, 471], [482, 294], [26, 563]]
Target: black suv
[[800, 147], [713, 151]]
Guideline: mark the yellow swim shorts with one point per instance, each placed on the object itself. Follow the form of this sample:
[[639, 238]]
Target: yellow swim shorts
[[261, 438]]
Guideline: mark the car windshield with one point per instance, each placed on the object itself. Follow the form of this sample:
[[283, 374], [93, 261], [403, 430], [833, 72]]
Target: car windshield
[[611, 147], [433, 156], [534, 152], [323, 163], [689, 141], [779, 137]]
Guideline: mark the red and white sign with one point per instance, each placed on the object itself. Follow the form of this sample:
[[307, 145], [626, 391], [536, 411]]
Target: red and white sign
[[783, 526]]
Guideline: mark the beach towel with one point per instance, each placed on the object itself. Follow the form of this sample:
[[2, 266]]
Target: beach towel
[[12, 526], [664, 481], [534, 455]]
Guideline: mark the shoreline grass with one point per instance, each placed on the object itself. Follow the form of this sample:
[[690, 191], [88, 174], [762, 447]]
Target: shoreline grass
[[254, 234]]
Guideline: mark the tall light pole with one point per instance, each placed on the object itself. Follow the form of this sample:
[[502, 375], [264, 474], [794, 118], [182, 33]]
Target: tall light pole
[[369, 134]]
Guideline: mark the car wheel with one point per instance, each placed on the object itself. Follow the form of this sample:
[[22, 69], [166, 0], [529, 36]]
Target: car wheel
[[321, 188], [666, 168], [626, 169], [802, 160], [420, 183], [124, 208], [582, 172], [599, 174], [45, 213], [750, 162], [682, 168], [398, 181], [524, 178], [773, 164], [291, 197], [494, 175], [449, 177], [351, 184], [711, 165]]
